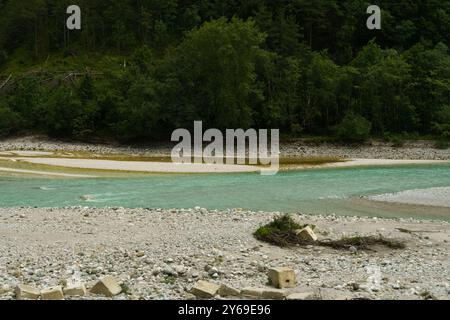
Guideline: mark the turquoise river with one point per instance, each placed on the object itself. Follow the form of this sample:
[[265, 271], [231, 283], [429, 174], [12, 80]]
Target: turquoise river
[[316, 191]]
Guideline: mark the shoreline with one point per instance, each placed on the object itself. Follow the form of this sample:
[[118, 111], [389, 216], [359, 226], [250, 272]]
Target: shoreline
[[66, 164], [41, 151], [169, 167], [413, 150], [45, 173], [161, 254], [436, 197]]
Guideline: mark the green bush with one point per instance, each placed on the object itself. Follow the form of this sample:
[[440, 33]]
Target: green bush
[[281, 231], [442, 144], [396, 140], [9, 121], [353, 128], [3, 57]]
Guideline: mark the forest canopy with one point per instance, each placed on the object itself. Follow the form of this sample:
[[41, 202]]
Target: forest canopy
[[138, 69]]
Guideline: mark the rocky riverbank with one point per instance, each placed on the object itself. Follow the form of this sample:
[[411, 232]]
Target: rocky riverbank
[[162, 254], [412, 150]]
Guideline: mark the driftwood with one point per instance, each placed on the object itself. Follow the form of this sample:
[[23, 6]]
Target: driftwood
[[51, 78], [6, 81]]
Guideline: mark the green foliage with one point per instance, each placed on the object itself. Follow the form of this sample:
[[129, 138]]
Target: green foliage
[[147, 67], [281, 223], [9, 121], [70, 113], [353, 128], [442, 144], [441, 125], [279, 231], [396, 140], [216, 65]]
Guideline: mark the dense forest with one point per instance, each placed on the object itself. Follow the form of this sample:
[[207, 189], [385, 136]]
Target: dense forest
[[140, 68]]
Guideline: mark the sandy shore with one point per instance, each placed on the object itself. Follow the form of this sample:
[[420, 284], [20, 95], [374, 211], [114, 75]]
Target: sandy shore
[[169, 167], [160, 254], [371, 162], [140, 166], [46, 173], [35, 149], [427, 197]]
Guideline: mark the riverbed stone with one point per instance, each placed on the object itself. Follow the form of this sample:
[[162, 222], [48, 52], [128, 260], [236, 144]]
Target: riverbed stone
[[275, 294], [333, 294], [205, 289], [228, 291], [23, 291], [282, 277], [52, 293], [107, 286], [301, 296], [306, 234], [77, 289], [4, 289], [264, 293], [252, 292]]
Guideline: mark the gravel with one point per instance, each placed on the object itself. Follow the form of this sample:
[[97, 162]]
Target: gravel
[[432, 196], [412, 150], [160, 254]]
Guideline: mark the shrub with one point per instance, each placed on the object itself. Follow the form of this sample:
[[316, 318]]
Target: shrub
[[353, 128], [442, 144], [396, 140], [9, 121], [281, 232]]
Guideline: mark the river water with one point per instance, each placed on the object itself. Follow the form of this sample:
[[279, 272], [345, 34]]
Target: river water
[[317, 191]]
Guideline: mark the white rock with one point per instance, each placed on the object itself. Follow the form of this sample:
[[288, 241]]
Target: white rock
[[77, 289], [282, 277], [52, 293], [107, 286], [301, 296], [204, 289], [26, 292], [227, 291], [307, 234]]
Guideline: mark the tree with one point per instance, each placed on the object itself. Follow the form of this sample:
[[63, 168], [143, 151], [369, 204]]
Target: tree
[[214, 73], [353, 128], [9, 121], [430, 90], [384, 88], [441, 125], [297, 65]]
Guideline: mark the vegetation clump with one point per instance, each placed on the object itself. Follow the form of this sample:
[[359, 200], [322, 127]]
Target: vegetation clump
[[442, 144], [363, 243], [282, 232]]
